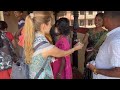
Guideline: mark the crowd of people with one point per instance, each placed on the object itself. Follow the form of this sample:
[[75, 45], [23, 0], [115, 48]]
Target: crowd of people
[[45, 47]]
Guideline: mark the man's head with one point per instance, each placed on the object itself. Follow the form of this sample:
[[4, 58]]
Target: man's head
[[111, 19], [18, 14]]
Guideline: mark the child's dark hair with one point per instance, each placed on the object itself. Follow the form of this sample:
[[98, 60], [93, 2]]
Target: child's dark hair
[[3, 25], [52, 33], [63, 26]]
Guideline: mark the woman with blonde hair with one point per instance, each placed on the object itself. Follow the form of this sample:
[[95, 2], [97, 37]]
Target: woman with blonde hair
[[37, 25]]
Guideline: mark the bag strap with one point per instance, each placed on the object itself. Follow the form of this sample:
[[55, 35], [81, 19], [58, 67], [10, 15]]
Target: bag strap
[[11, 49], [41, 69], [101, 40], [43, 42]]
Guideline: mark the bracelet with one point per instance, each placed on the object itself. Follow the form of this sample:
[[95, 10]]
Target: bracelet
[[59, 74], [95, 71]]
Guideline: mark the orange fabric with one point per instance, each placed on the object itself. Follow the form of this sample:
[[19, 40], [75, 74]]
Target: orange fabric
[[5, 74], [21, 39]]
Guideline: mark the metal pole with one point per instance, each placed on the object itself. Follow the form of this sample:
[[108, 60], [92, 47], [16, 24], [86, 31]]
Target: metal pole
[[75, 27], [55, 14]]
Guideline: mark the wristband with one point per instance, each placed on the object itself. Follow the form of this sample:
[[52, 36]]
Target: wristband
[[95, 71]]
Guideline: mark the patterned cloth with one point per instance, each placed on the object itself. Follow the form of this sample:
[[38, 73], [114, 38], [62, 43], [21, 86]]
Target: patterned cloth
[[109, 54], [38, 60], [6, 53], [92, 41]]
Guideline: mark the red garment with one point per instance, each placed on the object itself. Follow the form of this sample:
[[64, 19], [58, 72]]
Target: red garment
[[10, 36], [5, 74]]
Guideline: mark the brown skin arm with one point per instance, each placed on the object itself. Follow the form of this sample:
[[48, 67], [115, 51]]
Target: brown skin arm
[[113, 72], [14, 43], [17, 34], [62, 66]]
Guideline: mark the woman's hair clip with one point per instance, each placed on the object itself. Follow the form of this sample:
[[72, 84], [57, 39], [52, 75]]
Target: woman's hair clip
[[31, 15]]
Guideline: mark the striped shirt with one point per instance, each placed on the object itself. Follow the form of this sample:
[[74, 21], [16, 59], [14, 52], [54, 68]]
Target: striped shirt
[[21, 23]]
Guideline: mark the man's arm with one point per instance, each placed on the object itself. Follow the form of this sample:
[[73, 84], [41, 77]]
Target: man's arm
[[114, 72]]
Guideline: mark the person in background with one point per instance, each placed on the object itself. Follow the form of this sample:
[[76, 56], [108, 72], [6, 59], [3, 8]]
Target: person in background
[[62, 68], [21, 22], [37, 25], [95, 37], [6, 51], [107, 62], [9, 35]]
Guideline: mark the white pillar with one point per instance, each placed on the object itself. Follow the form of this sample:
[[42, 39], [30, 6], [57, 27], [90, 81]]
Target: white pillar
[[1, 16]]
